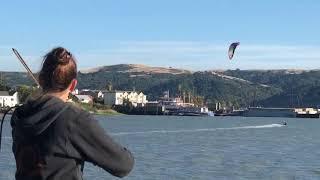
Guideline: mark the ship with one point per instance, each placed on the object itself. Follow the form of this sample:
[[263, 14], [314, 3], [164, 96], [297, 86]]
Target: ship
[[269, 112], [188, 111], [222, 112], [302, 115], [307, 113], [177, 107]]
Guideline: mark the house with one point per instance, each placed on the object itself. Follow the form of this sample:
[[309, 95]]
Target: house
[[6, 100], [85, 98], [119, 97], [93, 93], [100, 94], [75, 92]]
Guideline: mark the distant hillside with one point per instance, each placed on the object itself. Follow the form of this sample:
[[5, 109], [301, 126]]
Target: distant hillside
[[135, 68], [14, 79], [212, 88], [299, 87], [208, 87], [276, 88]]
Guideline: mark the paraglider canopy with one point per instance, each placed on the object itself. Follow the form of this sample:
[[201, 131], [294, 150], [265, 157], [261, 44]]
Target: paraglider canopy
[[232, 48]]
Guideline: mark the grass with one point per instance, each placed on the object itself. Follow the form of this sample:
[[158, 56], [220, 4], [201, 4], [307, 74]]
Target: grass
[[98, 109]]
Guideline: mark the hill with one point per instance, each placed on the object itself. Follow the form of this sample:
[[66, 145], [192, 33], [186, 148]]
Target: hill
[[207, 87], [276, 88], [135, 68], [299, 88]]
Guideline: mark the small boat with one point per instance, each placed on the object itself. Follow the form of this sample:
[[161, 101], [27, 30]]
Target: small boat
[[302, 115], [189, 114]]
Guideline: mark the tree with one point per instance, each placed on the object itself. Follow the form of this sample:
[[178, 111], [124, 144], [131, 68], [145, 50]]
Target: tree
[[24, 92], [4, 87]]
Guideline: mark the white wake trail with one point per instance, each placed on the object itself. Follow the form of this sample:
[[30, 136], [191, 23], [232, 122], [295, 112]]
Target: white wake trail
[[187, 130], [196, 130]]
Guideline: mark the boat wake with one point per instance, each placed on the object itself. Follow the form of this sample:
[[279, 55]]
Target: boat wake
[[257, 127], [189, 130], [196, 130]]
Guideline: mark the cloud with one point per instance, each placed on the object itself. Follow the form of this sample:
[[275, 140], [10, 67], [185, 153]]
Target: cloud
[[204, 54], [5, 47], [159, 47], [190, 47], [11, 63], [283, 53], [193, 55]]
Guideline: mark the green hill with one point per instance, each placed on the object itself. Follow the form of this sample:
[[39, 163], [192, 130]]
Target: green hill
[[298, 88], [204, 87], [239, 88]]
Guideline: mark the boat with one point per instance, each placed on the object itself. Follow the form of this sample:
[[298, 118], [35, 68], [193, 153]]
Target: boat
[[188, 111], [177, 107], [229, 113], [189, 114], [269, 112], [307, 113]]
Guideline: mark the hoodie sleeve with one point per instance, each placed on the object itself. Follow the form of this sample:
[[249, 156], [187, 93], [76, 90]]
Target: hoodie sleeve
[[99, 148]]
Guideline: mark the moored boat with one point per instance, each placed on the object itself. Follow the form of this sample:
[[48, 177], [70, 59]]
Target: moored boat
[[269, 112]]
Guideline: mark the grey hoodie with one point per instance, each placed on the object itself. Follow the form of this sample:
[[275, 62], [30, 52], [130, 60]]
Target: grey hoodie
[[53, 139]]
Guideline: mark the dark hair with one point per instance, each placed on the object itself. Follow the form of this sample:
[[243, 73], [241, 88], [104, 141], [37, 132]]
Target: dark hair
[[59, 68]]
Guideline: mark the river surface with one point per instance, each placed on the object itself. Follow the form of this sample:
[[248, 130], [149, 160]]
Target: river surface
[[169, 147]]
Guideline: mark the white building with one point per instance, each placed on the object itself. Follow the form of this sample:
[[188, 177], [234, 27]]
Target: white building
[[118, 97], [75, 92], [84, 98], [93, 93], [8, 101], [100, 94]]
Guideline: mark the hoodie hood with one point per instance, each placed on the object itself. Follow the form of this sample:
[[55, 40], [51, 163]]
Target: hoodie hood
[[36, 115]]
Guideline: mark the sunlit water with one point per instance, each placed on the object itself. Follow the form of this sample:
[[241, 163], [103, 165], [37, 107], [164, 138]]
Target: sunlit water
[[168, 147]]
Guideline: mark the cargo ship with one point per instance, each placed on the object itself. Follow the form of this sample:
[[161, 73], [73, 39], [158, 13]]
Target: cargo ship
[[269, 112], [307, 113]]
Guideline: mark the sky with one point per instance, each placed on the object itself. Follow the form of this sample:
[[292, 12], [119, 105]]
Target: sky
[[187, 34]]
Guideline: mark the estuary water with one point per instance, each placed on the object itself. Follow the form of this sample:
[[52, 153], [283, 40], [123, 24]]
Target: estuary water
[[170, 147]]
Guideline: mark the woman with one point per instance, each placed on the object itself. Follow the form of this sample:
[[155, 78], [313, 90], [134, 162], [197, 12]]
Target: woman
[[52, 139]]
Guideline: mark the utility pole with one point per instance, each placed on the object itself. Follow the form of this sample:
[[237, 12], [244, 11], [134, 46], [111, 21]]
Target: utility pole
[[179, 89]]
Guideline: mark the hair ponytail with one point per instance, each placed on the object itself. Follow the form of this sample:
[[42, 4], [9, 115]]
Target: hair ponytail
[[59, 68]]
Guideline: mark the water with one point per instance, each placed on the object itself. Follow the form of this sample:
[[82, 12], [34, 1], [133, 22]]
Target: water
[[206, 148]]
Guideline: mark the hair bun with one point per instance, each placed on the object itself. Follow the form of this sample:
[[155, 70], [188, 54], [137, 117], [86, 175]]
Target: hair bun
[[58, 70], [64, 57]]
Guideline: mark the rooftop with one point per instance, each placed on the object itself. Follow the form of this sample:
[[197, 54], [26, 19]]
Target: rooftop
[[4, 93]]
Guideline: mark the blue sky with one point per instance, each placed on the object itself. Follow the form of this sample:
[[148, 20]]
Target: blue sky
[[182, 33]]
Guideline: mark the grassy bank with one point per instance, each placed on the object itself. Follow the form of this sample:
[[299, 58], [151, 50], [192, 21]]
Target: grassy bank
[[106, 112], [98, 109]]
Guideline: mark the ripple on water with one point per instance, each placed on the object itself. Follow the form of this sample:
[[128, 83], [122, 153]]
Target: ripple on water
[[206, 148]]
